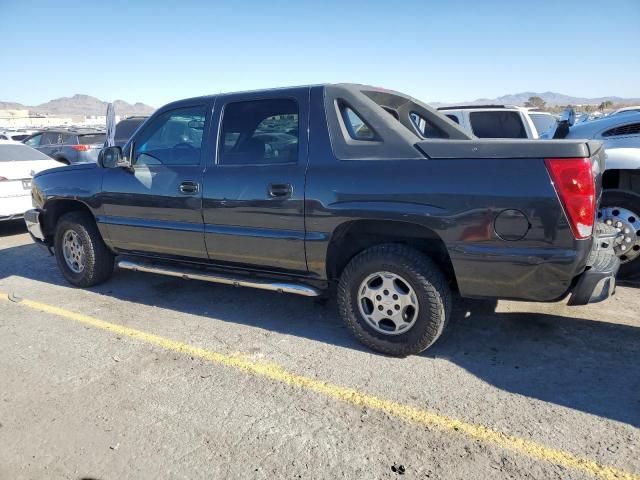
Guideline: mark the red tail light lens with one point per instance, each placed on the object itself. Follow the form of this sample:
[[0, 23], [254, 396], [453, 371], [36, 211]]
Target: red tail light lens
[[573, 181], [2, 179], [80, 148]]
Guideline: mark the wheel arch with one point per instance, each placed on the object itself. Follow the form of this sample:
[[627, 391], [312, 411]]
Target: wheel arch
[[54, 209], [625, 180], [355, 236]]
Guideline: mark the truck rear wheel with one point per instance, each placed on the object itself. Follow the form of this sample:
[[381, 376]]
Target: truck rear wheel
[[81, 254], [622, 210], [394, 299]]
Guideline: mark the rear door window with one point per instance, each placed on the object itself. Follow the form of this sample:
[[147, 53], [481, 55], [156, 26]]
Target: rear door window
[[259, 132], [497, 124], [52, 138]]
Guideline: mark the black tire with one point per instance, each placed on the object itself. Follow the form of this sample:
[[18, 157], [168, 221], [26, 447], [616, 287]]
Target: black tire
[[631, 202], [426, 279], [98, 258]]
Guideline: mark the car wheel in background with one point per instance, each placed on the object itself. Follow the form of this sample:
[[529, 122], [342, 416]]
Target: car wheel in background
[[622, 210], [394, 299]]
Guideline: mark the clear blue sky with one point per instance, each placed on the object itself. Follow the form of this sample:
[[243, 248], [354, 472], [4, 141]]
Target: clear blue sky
[[444, 50]]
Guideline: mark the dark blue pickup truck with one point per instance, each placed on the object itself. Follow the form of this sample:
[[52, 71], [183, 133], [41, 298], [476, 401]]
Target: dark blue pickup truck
[[367, 190]]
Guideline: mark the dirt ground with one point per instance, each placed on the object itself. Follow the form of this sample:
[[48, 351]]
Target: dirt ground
[[539, 391]]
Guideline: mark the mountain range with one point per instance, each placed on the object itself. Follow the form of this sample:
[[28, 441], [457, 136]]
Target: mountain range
[[86, 105], [81, 105], [550, 98]]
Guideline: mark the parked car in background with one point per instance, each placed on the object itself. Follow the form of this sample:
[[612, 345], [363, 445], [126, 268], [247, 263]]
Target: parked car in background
[[493, 121], [635, 108], [68, 146], [13, 135], [126, 127], [18, 164], [301, 189], [620, 207]]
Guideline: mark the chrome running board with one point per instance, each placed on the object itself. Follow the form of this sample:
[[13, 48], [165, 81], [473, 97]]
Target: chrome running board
[[192, 274]]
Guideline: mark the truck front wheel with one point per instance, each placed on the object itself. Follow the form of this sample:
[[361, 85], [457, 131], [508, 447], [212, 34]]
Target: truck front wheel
[[81, 254], [394, 299]]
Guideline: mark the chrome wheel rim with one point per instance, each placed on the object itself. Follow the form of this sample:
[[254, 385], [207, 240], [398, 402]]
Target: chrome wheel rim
[[388, 303], [73, 251], [627, 244]]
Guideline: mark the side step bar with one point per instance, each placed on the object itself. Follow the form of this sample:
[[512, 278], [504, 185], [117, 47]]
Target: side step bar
[[192, 274]]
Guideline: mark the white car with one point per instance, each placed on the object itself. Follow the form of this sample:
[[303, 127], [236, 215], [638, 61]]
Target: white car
[[18, 164], [494, 121]]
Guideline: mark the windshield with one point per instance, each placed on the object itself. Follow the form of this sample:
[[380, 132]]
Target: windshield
[[20, 153]]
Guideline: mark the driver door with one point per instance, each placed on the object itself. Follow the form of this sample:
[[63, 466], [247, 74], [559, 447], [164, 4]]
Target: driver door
[[156, 207]]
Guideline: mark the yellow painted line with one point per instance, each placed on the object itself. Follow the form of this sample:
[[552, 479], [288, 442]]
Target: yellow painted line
[[348, 395]]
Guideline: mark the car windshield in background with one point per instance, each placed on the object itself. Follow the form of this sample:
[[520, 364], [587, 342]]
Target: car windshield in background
[[497, 124], [20, 153], [91, 139], [125, 128]]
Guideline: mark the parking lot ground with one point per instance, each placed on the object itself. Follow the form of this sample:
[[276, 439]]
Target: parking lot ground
[[151, 377]]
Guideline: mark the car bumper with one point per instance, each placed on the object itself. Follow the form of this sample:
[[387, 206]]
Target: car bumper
[[34, 226], [598, 281], [13, 207]]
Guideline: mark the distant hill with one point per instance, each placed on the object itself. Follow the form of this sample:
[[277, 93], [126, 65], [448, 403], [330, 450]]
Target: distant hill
[[81, 105], [550, 98]]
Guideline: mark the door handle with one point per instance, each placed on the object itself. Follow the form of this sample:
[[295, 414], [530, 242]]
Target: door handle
[[280, 190], [189, 188]]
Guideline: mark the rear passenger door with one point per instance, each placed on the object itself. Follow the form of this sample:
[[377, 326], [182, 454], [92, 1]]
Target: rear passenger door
[[253, 199]]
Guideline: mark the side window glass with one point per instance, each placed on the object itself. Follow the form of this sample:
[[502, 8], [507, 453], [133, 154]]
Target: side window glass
[[426, 128], [453, 118], [34, 141], [259, 132], [173, 138], [358, 129]]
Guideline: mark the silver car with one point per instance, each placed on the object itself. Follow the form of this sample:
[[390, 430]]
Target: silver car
[[69, 146]]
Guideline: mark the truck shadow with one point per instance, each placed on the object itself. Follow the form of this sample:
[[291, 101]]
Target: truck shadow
[[586, 365], [12, 227]]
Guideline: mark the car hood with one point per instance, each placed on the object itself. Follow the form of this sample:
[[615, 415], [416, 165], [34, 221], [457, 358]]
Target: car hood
[[67, 168], [26, 168]]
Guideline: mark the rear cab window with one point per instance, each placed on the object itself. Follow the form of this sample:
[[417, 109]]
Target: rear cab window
[[497, 124], [259, 132]]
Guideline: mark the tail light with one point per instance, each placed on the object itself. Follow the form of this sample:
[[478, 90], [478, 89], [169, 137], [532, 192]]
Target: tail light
[[574, 183], [81, 148], [2, 179]]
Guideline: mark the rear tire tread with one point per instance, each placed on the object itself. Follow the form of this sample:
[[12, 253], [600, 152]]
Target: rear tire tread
[[430, 282]]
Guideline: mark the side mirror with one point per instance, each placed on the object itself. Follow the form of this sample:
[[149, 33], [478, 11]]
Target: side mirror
[[111, 157]]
